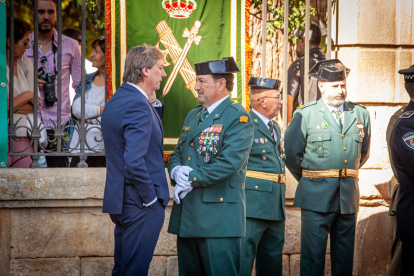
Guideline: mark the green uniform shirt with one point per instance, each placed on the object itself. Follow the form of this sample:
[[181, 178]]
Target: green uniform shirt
[[265, 199], [313, 141], [216, 205]]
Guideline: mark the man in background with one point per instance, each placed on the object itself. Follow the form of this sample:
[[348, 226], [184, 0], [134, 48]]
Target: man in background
[[296, 72], [48, 71]]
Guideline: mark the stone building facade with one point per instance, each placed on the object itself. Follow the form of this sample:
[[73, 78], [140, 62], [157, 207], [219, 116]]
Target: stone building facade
[[51, 221]]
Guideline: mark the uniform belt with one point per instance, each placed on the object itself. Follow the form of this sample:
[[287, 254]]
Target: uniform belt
[[278, 178], [340, 173]]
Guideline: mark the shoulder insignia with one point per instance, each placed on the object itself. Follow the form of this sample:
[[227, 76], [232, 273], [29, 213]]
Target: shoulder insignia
[[357, 104], [407, 114], [244, 119], [408, 139], [306, 105]]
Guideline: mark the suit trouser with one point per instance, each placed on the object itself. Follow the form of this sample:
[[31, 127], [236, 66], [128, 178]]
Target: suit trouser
[[264, 241], [208, 256], [136, 234], [315, 229], [407, 257]]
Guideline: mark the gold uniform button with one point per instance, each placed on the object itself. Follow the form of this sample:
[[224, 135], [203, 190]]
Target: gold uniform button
[[343, 136], [319, 138], [283, 169], [264, 151], [195, 179], [344, 148], [189, 158], [192, 144], [256, 187], [221, 199], [345, 161]]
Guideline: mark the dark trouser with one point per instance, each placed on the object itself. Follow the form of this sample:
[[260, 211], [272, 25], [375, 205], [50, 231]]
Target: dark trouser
[[264, 241], [394, 268], [136, 234], [92, 161], [208, 256], [55, 161], [315, 229], [407, 260]]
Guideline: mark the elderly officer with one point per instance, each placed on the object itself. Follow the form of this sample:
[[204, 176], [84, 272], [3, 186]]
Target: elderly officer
[[265, 184], [326, 143], [402, 152], [208, 168]]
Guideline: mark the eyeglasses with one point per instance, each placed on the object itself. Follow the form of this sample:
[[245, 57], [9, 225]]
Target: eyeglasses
[[26, 42]]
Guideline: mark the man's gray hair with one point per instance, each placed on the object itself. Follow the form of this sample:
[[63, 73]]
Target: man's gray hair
[[139, 57]]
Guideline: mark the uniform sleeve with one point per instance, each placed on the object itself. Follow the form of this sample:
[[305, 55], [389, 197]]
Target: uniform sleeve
[[366, 143], [237, 143], [295, 144], [174, 161], [403, 151]]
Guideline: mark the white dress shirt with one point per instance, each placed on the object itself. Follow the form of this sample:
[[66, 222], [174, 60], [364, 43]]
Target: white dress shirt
[[332, 108], [266, 122]]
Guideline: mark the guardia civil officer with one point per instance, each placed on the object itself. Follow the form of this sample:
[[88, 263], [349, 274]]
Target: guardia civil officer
[[395, 266], [265, 183], [208, 169], [326, 143], [402, 152]]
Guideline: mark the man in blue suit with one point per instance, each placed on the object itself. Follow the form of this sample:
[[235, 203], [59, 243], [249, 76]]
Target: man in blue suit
[[136, 189]]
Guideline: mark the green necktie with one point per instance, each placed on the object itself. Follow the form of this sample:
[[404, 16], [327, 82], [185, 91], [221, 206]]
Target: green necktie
[[338, 113], [204, 114], [270, 124]]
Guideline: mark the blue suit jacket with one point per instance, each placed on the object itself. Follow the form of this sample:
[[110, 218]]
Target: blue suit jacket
[[133, 138]]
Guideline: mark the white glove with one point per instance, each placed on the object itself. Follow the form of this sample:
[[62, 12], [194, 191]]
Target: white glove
[[185, 192], [181, 190], [181, 173]]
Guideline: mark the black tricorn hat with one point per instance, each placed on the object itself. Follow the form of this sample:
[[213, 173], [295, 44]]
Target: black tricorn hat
[[220, 66], [263, 83], [408, 73], [329, 70]]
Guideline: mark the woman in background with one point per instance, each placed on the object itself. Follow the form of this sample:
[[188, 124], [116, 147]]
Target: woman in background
[[23, 92], [94, 105]]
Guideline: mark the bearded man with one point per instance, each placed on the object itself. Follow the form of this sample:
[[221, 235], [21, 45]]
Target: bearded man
[[326, 143]]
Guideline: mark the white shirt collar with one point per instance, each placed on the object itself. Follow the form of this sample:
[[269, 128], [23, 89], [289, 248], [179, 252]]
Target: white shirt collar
[[139, 89], [263, 118], [211, 108], [265, 121]]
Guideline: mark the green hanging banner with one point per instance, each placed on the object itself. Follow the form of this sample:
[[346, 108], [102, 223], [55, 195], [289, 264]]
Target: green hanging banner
[[3, 88], [187, 32]]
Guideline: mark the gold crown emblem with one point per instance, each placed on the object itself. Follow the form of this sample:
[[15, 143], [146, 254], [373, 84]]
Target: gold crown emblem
[[179, 8]]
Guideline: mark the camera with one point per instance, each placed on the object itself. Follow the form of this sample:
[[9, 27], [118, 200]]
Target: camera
[[49, 87]]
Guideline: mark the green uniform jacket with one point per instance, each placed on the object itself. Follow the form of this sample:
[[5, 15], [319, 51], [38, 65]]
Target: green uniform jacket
[[313, 141], [216, 205], [265, 199]]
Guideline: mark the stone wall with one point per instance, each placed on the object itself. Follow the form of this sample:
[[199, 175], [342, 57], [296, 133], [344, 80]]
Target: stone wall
[[51, 224]]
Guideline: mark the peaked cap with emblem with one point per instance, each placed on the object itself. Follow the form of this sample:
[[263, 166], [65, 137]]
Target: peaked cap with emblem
[[220, 66], [263, 83], [408, 73], [329, 70]]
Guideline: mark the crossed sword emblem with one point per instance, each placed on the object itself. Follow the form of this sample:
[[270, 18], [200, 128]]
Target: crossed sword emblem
[[178, 54]]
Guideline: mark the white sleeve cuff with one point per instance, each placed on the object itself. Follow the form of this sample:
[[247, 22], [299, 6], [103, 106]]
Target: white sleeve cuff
[[152, 202]]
